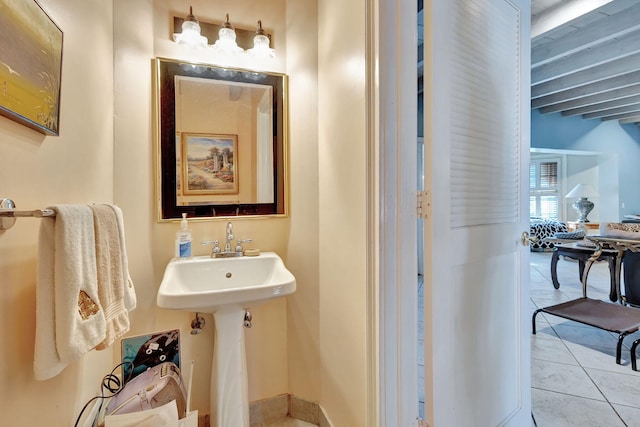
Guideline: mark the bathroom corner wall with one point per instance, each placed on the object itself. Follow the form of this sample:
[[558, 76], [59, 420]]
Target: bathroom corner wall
[[38, 171], [303, 251], [327, 248], [343, 143]]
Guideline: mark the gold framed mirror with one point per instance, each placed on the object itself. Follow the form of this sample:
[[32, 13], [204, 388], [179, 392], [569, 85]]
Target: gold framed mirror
[[221, 141]]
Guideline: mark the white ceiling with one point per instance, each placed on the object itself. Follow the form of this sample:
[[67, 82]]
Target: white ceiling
[[585, 58], [588, 64], [549, 14]]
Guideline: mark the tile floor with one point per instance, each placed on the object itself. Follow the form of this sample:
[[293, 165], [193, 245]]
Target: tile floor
[[290, 422], [574, 376]]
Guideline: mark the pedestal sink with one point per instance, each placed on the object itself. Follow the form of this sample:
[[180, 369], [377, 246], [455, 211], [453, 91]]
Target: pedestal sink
[[225, 287]]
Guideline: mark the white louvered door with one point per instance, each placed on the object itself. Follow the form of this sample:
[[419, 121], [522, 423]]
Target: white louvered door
[[477, 164]]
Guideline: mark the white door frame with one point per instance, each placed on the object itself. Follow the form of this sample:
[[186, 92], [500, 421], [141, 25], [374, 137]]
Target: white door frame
[[392, 267], [392, 124]]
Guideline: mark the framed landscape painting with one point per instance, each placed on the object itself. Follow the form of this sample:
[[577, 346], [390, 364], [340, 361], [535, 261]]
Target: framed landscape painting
[[209, 164], [30, 66]]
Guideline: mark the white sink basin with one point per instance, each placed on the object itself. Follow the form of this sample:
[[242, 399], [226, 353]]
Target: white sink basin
[[205, 284]]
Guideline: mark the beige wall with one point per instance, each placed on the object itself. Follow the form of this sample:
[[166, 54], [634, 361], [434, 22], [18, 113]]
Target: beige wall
[[39, 171], [342, 160], [311, 344], [303, 251]]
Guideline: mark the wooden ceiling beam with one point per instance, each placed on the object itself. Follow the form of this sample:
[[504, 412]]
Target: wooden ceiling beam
[[603, 106], [618, 82], [593, 100], [620, 116], [633, 108], [590, 65], [613, 26], [607, 52], [631, 120], [600, 72]]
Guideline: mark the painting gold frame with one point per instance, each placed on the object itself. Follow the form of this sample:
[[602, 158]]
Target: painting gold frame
[[209, 164], [30, 66]]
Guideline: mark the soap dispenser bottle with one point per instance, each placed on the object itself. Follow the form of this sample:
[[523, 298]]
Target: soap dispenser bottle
[[183, 239]]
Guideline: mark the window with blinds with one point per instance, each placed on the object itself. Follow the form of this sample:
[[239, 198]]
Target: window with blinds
[[544, 191]]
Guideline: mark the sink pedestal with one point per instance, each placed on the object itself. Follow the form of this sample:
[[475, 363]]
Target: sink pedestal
[[229, 388], [224, 286]]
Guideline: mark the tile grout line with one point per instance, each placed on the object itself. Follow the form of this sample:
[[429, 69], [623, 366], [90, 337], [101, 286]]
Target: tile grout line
[[604, 396], [573, 355]]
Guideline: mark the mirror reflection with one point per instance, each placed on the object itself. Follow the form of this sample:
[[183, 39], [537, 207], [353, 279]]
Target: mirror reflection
[[221, 149]]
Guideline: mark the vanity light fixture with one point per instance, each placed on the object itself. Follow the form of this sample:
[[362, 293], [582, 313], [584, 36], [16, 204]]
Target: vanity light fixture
[[230, 41], [190, 35], [261, 47], [226, 42]]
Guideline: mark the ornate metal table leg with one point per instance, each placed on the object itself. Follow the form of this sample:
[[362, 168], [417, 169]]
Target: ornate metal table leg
[[554, 269], [633, 354], [613, 293]]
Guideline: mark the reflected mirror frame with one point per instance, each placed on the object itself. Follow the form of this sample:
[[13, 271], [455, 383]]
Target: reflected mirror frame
[[164, 71]]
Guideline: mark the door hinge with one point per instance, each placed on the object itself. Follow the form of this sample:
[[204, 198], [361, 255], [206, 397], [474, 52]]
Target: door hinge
[[424, 204]]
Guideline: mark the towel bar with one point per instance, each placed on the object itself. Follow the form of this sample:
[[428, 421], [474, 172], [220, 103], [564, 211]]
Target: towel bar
[[37, 213], [8, 213]]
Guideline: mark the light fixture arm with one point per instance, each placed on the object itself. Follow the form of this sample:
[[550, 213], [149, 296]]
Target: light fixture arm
[[259, 30], [190, 17], [227, 24]]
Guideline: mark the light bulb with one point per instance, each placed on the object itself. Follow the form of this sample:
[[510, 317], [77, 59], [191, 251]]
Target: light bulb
[[226, 42], [190, 35], [261, 42]]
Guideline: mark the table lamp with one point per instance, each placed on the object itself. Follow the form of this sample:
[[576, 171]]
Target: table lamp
[[582, 205]]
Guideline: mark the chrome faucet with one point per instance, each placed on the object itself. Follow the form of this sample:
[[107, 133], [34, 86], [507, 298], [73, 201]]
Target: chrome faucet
[[227, 252], [229, 238]]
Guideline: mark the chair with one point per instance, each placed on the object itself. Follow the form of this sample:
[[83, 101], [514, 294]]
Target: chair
[[617, 317]]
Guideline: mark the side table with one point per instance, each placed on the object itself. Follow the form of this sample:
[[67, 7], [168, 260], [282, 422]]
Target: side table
[[581, 254]]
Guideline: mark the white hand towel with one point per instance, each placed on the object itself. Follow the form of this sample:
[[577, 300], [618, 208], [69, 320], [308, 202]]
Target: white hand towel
[[69, 319], [130, 299], [111, 275]]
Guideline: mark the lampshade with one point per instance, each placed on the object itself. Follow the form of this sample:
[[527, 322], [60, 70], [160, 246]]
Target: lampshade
[[190, 32], [226, 42], [582, 190], [261, 47]]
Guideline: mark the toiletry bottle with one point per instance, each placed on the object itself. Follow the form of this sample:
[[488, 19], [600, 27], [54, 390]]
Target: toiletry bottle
[[183, 239]]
